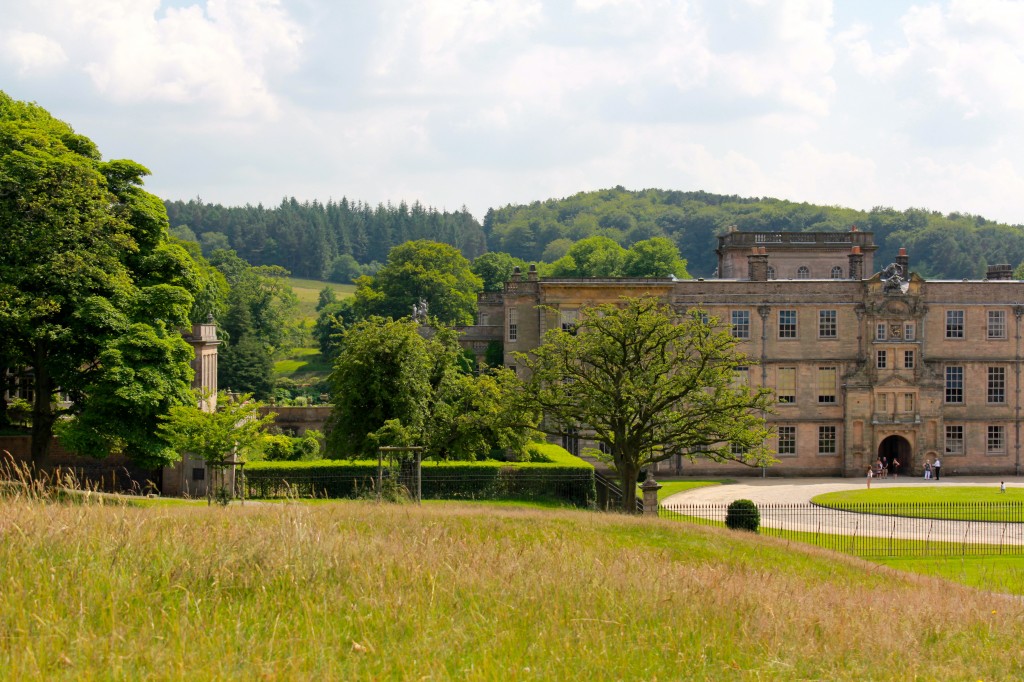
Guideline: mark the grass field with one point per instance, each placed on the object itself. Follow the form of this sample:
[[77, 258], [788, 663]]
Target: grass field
[[953, 502], [669, 487], [308, 293], [359, 591], [302, 363]]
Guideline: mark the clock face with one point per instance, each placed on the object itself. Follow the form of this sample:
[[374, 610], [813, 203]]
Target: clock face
[[896, 331]]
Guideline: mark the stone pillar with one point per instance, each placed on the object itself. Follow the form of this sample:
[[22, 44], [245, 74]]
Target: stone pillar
[[856, 263], [757, 265], [531, 275], [650, 490]]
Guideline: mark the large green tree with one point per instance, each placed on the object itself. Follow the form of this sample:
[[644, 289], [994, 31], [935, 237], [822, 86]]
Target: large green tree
[[495, 268], [92, 293], [389, 380], [421, 271], [648, 385]]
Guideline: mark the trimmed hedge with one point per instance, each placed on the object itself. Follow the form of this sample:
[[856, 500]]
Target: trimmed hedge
[[562, 477]]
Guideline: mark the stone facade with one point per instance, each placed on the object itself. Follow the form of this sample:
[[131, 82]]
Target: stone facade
[[890, 365]]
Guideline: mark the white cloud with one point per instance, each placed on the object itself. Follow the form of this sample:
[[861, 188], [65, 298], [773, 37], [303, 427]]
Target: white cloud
[[32, 54]]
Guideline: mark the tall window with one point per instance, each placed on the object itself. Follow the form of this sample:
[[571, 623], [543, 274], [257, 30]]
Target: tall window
[[881, 359], [997, 324], [996, 441], [513, 327], [786, 388], [771, 272], [908, 402], [826, 440], [837, 272], [954, 384], [880, 332], [908, 359], [740, 376], [787, 324], [996, 384], [741, 324], [954, 440], [954, 324], [802, 272], [909, 331], [882, 402], [787, 440], [826, 324], [826, 384]]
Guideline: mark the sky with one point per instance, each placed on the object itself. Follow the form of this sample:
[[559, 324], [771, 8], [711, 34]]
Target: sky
[[483, 103]]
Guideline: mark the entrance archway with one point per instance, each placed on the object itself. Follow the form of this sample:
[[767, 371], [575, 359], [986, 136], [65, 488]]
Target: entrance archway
[[898, 448]]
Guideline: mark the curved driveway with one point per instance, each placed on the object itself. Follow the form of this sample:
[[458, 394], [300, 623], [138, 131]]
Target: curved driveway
[[779, 491]]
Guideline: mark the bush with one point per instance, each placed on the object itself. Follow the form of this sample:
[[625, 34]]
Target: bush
[[743, 515]]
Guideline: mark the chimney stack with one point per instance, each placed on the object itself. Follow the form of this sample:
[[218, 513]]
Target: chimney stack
[[757, 265], [856, 263], [903, 260]]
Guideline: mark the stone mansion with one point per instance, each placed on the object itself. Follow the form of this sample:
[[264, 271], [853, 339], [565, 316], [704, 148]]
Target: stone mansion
[[863, 364]]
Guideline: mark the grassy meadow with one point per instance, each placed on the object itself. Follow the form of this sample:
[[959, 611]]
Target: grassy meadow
[[308, 293], [353, 590]]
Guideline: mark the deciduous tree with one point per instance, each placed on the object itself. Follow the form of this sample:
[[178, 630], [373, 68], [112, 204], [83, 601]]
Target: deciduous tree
[[648, 385]]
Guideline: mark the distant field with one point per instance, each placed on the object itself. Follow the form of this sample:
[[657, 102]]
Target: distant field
[[308, 293], [302, 363]]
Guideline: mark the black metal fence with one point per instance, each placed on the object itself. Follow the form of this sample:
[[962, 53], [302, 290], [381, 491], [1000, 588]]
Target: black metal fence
[[907, 529]]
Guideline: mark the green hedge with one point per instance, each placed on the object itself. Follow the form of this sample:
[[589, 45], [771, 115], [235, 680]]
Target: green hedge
[[562, 476]]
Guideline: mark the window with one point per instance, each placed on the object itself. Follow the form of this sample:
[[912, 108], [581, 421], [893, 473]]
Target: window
[[837, 272], [481, 319], [826, 440], [954, 384], [954, 324], [787, 324], [908, 359], [909, 331], [996, 442], [802, 272], [567, 318], [996, 385], [954, 440], [908, 402], [787, 440], [826, 384], [571, 441], [513, 327], [198, 474], [740, 376], [737, 450], [771, 272], [880, 331], [883, 402], [997, 324], [741, 324], [881, 359], [826, 324], [786, 387]]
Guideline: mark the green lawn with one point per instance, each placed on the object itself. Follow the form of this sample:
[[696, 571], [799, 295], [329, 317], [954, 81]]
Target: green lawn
[[1004, 574], [302, 362], [953, 502], [308, 293], [673, 487]]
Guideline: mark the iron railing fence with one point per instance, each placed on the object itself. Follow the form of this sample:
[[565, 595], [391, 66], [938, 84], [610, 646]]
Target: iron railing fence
[[878, 529], [576, 489]]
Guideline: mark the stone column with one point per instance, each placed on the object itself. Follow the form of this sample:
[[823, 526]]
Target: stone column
[[650, 490]]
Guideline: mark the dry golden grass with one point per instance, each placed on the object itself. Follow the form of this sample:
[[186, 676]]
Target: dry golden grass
[[359, 591]]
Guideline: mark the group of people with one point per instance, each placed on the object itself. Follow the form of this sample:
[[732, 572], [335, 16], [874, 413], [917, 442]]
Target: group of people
[[932, 468], [880, 469]]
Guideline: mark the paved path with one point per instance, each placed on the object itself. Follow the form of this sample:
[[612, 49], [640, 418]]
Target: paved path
[[778, 491]]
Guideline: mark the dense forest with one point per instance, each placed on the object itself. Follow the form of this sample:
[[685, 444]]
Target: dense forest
[[317, 240], [309, 238]]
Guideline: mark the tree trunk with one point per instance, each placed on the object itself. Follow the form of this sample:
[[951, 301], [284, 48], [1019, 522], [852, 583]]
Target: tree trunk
[[628, 473], [42, 415]]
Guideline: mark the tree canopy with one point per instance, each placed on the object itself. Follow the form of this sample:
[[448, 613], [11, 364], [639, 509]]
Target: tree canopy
[[648, 386], [421, 271], [389, 382], [92, 292]]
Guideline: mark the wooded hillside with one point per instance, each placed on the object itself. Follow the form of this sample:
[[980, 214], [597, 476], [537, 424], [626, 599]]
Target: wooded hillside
[[309, 238]]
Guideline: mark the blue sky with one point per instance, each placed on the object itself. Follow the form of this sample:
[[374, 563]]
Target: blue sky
[[482, 103]]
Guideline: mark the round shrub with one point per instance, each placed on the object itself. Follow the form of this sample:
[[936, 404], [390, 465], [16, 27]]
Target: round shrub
[[743, 515]]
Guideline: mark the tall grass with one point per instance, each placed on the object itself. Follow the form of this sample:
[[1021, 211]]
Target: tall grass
[[361, 591]]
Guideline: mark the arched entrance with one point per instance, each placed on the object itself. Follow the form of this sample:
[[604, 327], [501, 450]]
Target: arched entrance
[[898, 448]]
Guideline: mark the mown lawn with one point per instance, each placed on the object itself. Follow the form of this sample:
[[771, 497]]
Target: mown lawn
[[966, 503], [357, 590]]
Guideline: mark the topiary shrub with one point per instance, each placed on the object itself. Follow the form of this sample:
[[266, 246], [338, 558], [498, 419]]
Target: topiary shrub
[[743, 515]]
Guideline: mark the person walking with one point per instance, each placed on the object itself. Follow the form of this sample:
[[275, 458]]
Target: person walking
[[936, 466]]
